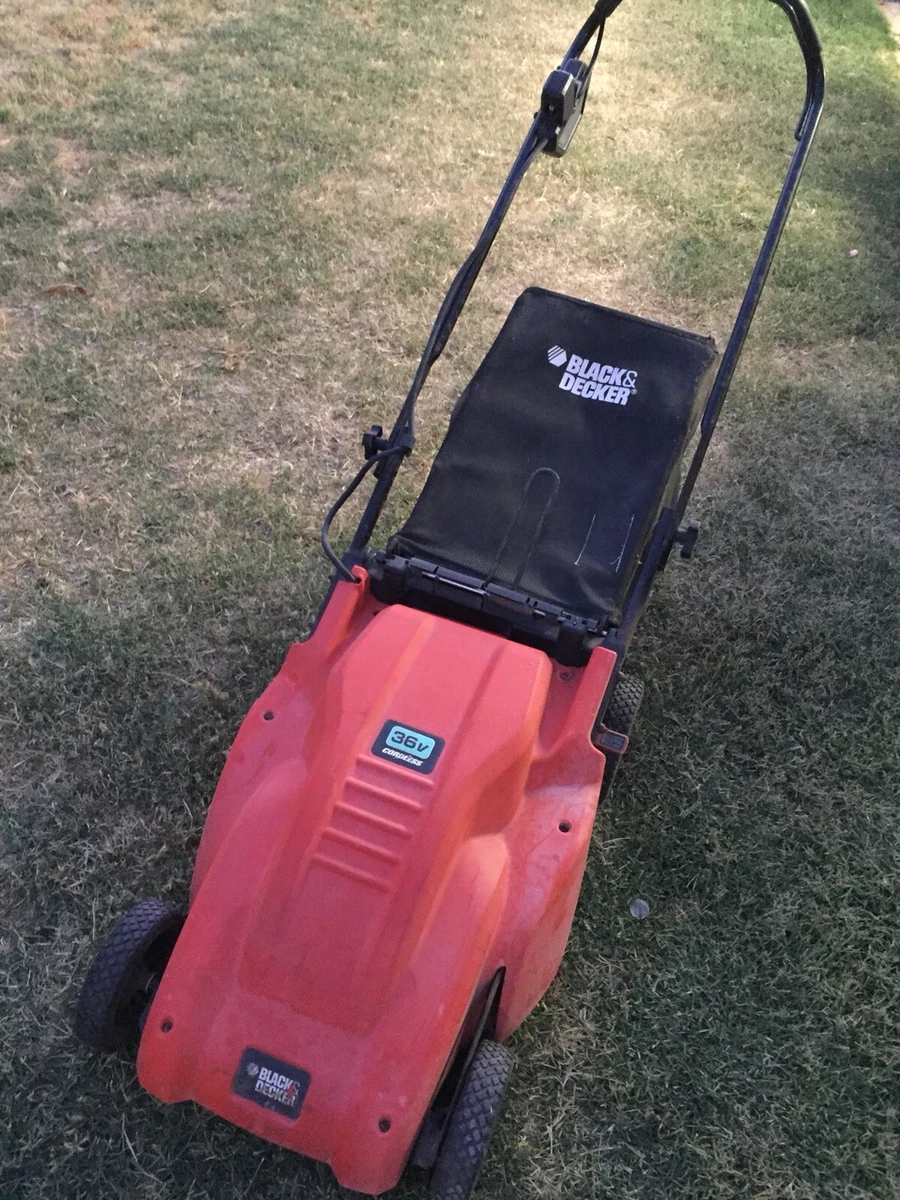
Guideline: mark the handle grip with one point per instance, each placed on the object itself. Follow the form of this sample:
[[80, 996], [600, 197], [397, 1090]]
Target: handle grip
[[805, 33], [801, 22]]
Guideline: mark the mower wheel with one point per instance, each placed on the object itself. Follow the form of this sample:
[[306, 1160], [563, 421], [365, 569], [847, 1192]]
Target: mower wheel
[[620, 717], [623, 708], [124, 975], [471, 1123]]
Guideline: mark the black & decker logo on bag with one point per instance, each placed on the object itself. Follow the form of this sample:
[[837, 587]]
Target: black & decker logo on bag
[[593, 380]]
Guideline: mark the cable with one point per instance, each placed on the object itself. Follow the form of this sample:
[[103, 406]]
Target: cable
[[345, 495], [590, 71], [448, 314]]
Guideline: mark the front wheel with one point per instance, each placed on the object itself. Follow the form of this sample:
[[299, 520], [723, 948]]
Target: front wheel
[[124, 975], [472, 1122]]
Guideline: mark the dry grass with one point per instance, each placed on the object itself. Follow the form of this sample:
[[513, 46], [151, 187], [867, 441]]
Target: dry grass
[[56, 50], [262, 204]]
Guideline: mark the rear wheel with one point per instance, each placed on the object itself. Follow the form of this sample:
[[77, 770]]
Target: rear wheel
[[472, 1122], [620, 717], [623, 708], [124, 975]]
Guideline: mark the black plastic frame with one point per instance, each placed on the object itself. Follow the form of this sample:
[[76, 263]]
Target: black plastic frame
[[542, 137]]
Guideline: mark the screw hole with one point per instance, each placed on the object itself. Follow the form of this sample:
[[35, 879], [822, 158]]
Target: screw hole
[[384, 1124], [268, 716], [565, 826], [565, 675], [166, 1027]]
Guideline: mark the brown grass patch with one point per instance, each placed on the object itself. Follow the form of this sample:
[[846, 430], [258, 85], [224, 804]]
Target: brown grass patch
[[177, 84], [55, 50], [10, 190], [73, 159], [117, 210], [363, 17]]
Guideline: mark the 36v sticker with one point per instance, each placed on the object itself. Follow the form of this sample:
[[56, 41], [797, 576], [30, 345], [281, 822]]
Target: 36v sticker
[[409, 747], [271, 1083]]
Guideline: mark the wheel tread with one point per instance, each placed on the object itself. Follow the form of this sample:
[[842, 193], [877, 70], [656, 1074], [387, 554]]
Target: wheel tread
[[472, 1122], [102, 992], [623, 707], [620, 716]]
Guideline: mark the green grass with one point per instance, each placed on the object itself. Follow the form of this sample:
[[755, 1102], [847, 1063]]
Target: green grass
[[263, 203]]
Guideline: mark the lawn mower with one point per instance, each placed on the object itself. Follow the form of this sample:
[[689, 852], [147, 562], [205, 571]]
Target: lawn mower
[[388, 873]]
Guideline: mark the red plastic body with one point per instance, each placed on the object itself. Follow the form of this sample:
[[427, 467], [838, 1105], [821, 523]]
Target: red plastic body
[[348, 911]]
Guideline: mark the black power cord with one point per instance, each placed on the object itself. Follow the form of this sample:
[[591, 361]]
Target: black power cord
[[342, 569]]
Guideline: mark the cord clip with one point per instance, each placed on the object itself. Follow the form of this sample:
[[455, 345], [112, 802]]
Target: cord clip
[[562, 103]]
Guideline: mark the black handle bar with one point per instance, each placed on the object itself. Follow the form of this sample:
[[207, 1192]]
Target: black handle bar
[[797, 13], [805, 132], [541, 136], [667, 527], [805, 32]]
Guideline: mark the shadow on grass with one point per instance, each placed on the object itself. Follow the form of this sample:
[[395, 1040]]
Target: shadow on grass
[[854, 182], [122, 720], [847, 202]]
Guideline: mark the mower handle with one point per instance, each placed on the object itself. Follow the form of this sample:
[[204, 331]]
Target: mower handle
[[543, 135], [667, 529], [801, 23], [805, 33]]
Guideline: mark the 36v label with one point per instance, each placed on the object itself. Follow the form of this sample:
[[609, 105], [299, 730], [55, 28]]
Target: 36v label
[[409, 747]]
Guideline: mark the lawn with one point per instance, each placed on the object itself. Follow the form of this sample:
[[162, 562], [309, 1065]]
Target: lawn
[[225, 228]]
